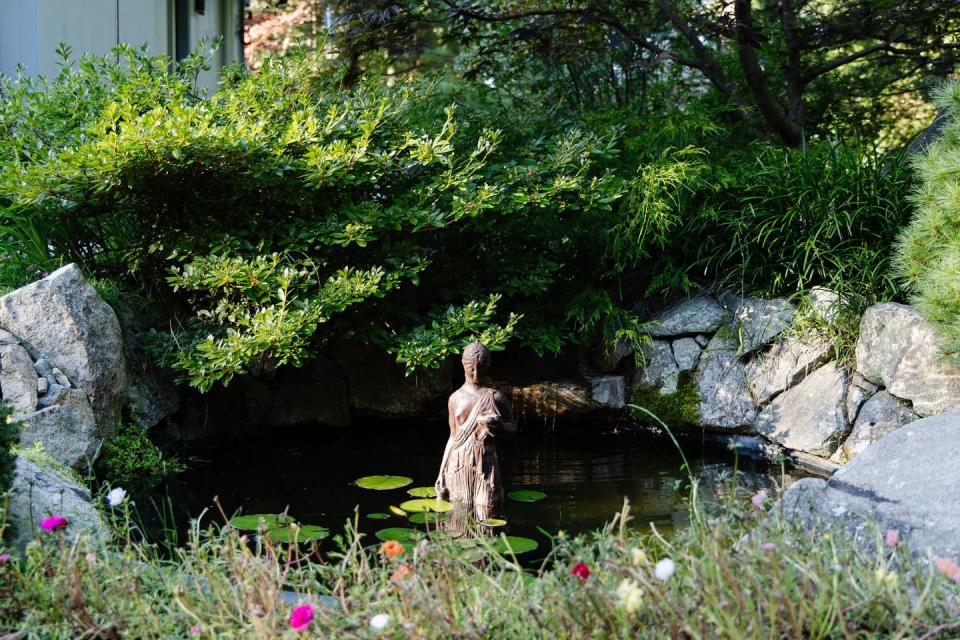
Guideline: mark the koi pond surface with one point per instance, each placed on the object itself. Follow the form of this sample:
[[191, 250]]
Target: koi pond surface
[[311, 473]]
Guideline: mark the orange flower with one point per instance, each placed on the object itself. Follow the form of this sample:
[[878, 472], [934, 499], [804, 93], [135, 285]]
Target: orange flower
[[400, 573], [949, 568], [391, 548]]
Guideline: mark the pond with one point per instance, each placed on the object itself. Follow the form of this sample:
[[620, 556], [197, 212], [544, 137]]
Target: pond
[[585, 472]]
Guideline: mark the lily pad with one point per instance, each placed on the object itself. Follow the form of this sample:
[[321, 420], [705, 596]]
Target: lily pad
[[402, 535], [378, 516], [493, 522], [383, 483], [257, 521], [527, 495], [426, 504], [442, 534], [515, 544], [397, 511], [302, 533], [423, 492], [428, 517]]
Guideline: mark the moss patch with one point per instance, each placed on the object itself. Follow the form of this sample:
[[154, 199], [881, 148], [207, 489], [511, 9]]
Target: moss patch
[[678, 409]]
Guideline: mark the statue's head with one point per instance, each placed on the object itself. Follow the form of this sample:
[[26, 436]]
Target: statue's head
[[476, 362]]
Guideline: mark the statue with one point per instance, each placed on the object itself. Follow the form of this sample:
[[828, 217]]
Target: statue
[[469, 472]]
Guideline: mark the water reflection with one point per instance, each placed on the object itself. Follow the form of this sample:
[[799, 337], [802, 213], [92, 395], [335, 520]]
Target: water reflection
[[585, 474]]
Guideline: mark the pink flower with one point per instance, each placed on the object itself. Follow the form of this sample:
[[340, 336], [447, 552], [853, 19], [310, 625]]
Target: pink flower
[[53, 523], [759, 498], [5, 558], [892, 538], [195, 629], [301, 616], [769, 547], [582, 571], [949, 568]]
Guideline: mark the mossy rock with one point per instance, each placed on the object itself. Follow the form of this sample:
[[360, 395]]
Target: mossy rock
[[678, 409]]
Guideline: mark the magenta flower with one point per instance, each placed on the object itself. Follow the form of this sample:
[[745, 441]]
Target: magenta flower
[[195, 629], [53, 523], [301, 616], [892, 537], [5, 558], [769, 547], [582, 571], [759, 498]]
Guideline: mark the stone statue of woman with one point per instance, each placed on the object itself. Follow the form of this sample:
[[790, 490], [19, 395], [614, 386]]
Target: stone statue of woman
[[470, 473]]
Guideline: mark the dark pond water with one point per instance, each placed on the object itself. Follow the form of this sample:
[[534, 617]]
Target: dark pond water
[[586, 474]]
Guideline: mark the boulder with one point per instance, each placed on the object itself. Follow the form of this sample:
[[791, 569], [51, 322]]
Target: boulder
[[686, 353], [826, 303], [899, 350], [659, 369], [609, 392], [878, 416], [553, 400], [62, 319], [39, 492], [67, 430], [18, 379], [811, 416], [695, 315], [757, 321], [906, 481], [378, 386], [725, 401], [859, 390], [609, 359], [785, 364]]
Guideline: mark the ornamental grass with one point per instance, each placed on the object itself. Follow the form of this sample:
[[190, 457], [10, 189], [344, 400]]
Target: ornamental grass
[[710, 580]]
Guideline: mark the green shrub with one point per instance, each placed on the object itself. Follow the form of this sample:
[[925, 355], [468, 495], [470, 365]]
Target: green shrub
[[9, 436], [928, 257], [132, 461], [285, 210]]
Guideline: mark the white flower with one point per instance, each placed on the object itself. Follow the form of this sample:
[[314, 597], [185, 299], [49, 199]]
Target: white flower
[[638, 556], [630, 595], [379, 621], [116, 497], [664, 569]]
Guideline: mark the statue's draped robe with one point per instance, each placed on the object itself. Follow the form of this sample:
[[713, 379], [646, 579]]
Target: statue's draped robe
[[470, 472]]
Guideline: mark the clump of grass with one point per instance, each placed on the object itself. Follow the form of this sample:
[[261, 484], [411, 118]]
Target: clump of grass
[[786, 581]]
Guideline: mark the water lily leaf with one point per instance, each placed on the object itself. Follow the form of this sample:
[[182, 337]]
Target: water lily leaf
[[257, 521], [516, 544], [426, 504], [527, 495], [402, 535], [423, 492], [302, 533], [428, 517], [442, 534], [397, 511], [378, 516], [383, 483], [493, 522]]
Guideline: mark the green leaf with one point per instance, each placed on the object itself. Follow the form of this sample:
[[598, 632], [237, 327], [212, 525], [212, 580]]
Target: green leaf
[[378, 516], [403, 535], [426, 504], [515, 544], [527, 495], [428, 517], [493, 522], [423, 492], [257, 521], [383, 483], [298, 533]]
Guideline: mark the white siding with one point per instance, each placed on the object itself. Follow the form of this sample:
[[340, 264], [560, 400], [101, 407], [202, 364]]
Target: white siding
[[87, 26], [31, 30], [18, 35]]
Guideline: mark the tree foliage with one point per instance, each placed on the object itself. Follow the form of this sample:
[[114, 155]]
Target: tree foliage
[[793, 68]]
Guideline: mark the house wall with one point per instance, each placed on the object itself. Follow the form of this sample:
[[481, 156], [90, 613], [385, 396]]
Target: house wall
[[31, 30]]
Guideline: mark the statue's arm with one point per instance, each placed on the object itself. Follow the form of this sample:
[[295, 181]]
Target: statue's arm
[[452, 416], [509, 424]]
